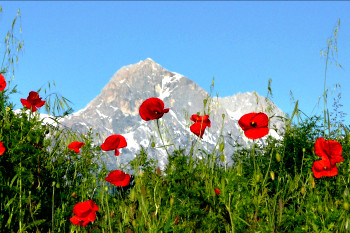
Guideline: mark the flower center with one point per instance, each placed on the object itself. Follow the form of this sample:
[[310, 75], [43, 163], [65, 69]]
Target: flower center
[[325, 168], [253, 124], [155, 112]]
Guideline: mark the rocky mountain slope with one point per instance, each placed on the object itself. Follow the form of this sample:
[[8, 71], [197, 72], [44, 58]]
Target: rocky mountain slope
[[116, 111]]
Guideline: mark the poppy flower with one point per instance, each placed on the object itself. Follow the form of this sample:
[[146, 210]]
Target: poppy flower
[[114, 142], [2, 148], [2, 83], [33, 101], [152, 108], [254, 125], [200, 123], [118, 178], [76, 146], [84, 212], [330, 152], [217, 191]]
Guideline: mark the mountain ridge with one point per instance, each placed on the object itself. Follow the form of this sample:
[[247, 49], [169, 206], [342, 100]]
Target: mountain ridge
[[115, 110]]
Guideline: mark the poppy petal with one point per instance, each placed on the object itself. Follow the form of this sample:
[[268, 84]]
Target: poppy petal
[[122, 142], [152, 108], [256, 133], [116, 152], [111, 143], [118, 178], [75, 220]]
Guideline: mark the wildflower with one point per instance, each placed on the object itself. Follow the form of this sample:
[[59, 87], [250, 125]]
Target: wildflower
[[330, 152], [118, 178], [254, 125], [2, 148], [84, 212], [152, 108], [200, 123], [76, 146], [114, 142], [33, 101], [2, 83], [217, 191]]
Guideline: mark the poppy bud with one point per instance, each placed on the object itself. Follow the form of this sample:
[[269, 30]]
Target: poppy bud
[[313, 183], [320, 208], [302, 191], [272, 174], [133, 224], [257, 177], [74, 195], [58, 185], [53, 183], [132, 195], [171, 201], [278, 157], [303, 150], [222, 158], [223, 115], [205, 101], [153, 144], [222, 146], [346, 205], [106, 188]]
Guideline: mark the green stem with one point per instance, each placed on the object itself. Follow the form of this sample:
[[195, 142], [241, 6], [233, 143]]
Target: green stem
[[161, 138], [253, 155], [53, 204], [20, 196], [325, 93]]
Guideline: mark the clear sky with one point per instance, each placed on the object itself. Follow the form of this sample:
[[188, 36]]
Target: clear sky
[[80, 45]]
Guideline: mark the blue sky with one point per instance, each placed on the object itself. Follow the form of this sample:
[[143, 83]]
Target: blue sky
[[80, 45]]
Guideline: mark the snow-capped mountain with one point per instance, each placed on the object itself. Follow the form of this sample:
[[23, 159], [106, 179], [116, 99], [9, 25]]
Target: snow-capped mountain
[[116, 111]]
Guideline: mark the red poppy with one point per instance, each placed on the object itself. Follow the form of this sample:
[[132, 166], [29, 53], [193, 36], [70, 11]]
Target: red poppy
[[217, 191], [85, 212], [118, 178], [330, 152], [200, 123], [114, 142], [254, 125], [152, 108], [2, 83], [76, 146], [2, 148], [33, 101]]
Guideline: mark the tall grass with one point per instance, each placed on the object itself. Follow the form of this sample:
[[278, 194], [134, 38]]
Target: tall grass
[[268, 189]]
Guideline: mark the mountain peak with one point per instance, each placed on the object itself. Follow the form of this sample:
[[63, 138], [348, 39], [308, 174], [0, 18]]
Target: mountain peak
[[116, 110]]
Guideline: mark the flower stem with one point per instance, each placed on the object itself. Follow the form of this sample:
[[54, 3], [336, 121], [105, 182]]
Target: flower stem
[[161, 138]]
